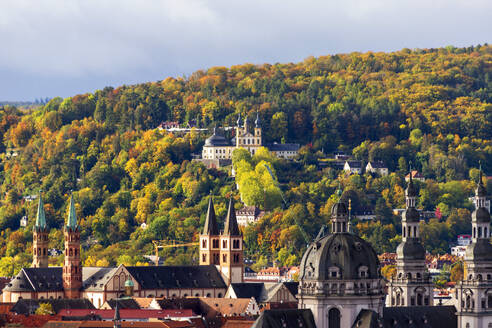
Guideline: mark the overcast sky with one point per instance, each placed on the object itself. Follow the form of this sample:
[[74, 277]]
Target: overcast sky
[[64, 47]]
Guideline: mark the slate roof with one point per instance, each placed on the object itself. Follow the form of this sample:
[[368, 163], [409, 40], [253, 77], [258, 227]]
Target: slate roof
[[262, 292], [37, 279], [285, 318], [355, 164], [94, 278], [29, 306], [127, 314], [210, 227], [175, 277], [378, 165], [367, 319], [129, 303], [283, 147], [230, 226], [420, 316]]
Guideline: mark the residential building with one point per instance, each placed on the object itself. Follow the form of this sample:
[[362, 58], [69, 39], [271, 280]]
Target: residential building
[[377, 167], [353, 167], [416, 175], [248, 214]]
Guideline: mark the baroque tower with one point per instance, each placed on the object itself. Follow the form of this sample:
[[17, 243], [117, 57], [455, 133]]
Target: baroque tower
[[209, 239], [72, 268], [40, 238], [231, 248], [339, 275], [258, 129], [474, 292], [412, 285]]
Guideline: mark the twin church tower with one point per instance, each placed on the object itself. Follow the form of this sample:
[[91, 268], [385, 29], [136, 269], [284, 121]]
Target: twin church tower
[[72, 266]]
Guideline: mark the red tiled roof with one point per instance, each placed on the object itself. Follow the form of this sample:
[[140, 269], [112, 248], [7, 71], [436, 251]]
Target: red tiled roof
[[128, 313]]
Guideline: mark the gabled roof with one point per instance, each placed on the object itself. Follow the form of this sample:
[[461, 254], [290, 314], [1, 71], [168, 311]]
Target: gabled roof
[[95, 278], [285, 318], [225, 306], [177, 277], [248, 290], [378, 165], [354, 164], [36, 279], [262, 292], [129, 303]]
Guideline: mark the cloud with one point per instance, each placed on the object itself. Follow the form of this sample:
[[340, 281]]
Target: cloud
[[81, 45]]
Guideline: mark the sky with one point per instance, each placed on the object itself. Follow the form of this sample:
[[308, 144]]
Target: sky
[[62, 48]]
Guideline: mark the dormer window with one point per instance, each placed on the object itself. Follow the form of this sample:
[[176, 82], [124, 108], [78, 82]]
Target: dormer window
[[363, 272], [334, 272]]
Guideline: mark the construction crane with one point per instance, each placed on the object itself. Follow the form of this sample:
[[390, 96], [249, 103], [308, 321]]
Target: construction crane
[[167, 244]]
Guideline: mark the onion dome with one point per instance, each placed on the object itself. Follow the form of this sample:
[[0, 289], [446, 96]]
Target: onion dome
[[216, 140], [411, 215], [343, 253], [481, 250], [411, 249], [481, 215]]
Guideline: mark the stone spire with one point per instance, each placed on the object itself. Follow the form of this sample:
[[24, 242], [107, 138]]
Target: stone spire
[[230, 227], [117, 317], [40, 216], [72, 216], [257, 121], [211, 227]]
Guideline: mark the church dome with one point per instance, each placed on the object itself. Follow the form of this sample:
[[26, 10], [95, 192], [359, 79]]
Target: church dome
[[481, 215], [216, 141], [411, 250], [129, 283], [411, 215], [348, 255], [479, 251]]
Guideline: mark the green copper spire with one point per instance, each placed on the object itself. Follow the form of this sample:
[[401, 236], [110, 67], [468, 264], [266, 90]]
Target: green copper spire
[[40, 216], [72, 217]]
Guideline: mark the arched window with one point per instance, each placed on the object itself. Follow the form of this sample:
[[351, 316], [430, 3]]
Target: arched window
[[334, 318], [419, 299]]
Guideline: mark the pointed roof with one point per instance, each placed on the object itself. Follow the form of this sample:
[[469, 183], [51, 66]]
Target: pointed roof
[[72, 216], [257, 121], [411, 190], [211, 227], [230, 227], [40, 216], [481, 191], [117, 316], [238, 123]]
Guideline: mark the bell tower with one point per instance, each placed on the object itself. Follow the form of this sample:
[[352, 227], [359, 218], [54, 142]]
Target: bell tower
[[258, 137], [72, 268], [40, 238], [231, 248], [475, 290], [412, 285], [209, 239]]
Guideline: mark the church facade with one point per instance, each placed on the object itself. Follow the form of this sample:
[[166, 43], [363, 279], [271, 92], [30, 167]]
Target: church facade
[[222, 266], [219, 148]]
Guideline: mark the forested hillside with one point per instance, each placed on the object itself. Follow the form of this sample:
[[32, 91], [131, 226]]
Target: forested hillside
[[431, 107]]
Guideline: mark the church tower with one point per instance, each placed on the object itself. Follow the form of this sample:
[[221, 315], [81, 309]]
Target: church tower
[[231, 248], [72, 268], [40, 238], [412, 285], [475, 290], [209, 239]]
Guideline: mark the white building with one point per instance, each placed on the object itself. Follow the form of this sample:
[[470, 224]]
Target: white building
[[248, 214], [219, 148], [377, 167], [353, 167]]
